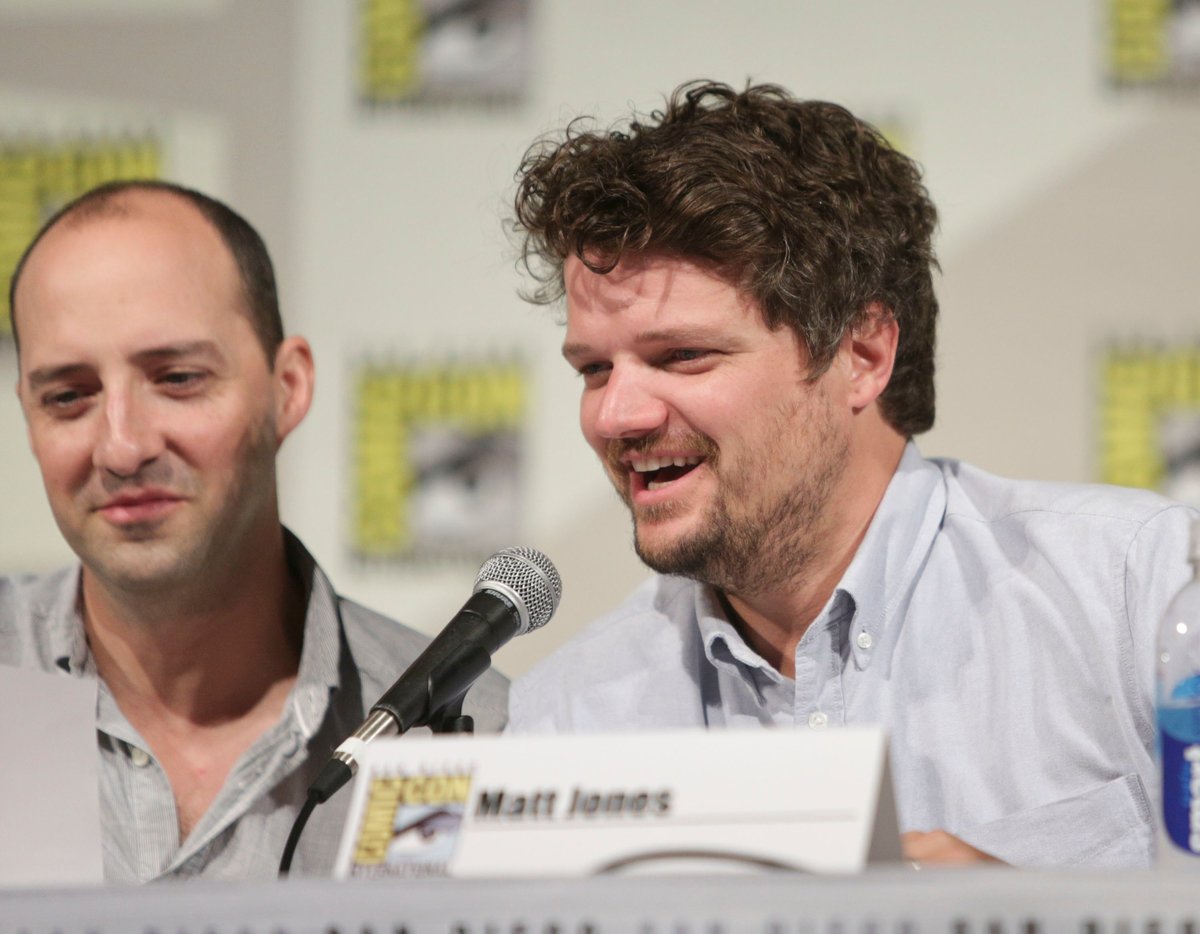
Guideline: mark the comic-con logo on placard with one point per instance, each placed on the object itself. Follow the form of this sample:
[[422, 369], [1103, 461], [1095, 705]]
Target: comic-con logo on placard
[[410, 825]]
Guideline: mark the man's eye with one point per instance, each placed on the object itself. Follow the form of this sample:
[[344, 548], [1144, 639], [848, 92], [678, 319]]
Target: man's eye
[[593, 371], [181, 379], [60, 402], [687, 355], [61, 398]]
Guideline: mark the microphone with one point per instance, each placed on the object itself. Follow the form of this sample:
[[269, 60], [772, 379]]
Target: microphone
[[516, 591]]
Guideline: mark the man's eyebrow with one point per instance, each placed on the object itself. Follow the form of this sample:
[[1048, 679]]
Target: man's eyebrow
[[682, 335], [50, 374], [576, 350], [168, 352], [189, 349]]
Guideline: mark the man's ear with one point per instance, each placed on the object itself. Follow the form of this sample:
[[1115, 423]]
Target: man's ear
[[293, 379], [869, 351], [24, 411]]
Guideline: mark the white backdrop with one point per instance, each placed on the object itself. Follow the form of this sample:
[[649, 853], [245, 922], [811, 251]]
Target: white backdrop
[[1069, 213]]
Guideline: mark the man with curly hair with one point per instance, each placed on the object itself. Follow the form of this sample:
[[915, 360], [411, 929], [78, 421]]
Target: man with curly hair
[[750, 307]]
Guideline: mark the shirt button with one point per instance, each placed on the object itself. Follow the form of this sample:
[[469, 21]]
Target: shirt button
[[864, 640], [139, 757], [818, 720]]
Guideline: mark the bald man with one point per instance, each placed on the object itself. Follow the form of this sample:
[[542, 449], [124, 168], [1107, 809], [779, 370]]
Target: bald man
[[158, 385]]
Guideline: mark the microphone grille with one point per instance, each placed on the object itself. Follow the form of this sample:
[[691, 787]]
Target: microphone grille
[[528, 574]]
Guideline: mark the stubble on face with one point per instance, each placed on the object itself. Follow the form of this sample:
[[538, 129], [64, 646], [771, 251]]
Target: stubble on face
[[188, 550], [759, 531], [158, 285]]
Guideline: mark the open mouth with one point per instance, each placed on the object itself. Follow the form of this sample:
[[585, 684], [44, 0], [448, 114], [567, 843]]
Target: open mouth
[[656, 472]]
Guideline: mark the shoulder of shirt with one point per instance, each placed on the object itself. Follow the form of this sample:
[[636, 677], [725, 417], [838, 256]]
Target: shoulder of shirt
[[383, 648], [25, 602], [973, 494], [647, 631]]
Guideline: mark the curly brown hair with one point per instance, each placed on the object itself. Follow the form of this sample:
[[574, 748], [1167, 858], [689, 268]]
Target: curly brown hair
[[798, 204]]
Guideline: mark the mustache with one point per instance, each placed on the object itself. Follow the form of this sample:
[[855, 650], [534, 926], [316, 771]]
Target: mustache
[[619, 448], [158, 474]]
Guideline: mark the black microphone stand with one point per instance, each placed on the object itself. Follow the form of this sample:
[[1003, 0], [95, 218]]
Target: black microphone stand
[[449, 718], [516, 590]]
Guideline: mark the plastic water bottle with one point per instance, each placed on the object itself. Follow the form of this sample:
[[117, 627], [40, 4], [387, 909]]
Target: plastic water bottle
[[1179, 711]]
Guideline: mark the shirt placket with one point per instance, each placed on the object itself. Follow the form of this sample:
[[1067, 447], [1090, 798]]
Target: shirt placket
[[818, 693], [151, 831], [259, 770]]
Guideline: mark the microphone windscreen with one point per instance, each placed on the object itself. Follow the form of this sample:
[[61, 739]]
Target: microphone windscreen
[[530, 577]]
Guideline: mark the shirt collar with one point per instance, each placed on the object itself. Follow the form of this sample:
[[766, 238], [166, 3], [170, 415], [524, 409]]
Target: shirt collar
[[61, 625], [876, 583], [59, 622], [723, 644], [317, 678]]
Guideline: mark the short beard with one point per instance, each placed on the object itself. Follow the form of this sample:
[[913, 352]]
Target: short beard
[[765, 544], [191, 570]]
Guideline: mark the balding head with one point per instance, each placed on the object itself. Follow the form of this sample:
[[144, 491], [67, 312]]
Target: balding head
[[246, 247]]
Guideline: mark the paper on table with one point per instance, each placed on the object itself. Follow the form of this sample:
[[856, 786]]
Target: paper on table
[[49, 790]]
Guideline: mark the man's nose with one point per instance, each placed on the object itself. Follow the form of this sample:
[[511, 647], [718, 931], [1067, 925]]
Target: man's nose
[[628, 406], [129, 437]]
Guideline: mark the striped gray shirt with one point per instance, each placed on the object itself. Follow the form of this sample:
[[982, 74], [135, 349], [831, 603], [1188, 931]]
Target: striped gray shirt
[[350, 656]]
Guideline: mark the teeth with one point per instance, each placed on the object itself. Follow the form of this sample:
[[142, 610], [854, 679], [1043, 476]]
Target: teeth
[[647, 464]]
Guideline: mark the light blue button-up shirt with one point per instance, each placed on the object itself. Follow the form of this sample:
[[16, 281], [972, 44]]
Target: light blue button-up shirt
[[1002, 632]]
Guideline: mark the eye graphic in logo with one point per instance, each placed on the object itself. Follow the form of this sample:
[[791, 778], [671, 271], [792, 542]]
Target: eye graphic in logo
[[424, 833]]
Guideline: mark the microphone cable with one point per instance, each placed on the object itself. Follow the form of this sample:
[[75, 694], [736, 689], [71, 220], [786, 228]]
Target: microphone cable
[[516, 591]]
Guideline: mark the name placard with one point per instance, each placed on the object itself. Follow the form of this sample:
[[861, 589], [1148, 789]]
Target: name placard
[[579, 805]]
